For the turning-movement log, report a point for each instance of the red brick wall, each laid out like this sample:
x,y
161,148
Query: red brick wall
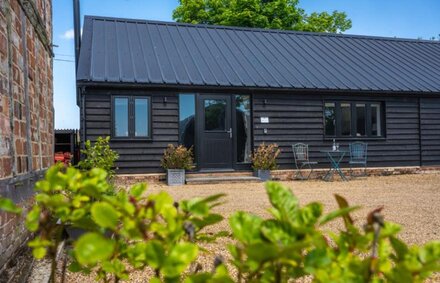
x,y
26,107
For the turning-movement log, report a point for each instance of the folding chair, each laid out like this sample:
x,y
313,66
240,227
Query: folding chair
x,y
358,156
301,155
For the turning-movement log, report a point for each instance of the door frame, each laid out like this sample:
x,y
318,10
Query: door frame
x,y
235,165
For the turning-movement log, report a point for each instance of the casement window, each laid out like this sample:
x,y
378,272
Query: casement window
x,y
131,117
352,119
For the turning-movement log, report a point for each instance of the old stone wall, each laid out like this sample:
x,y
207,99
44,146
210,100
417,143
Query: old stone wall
x,y
26,108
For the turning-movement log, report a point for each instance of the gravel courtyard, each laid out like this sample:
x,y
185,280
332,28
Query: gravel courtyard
x,y
410,200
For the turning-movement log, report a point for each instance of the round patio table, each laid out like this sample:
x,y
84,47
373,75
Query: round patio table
x,y
335,157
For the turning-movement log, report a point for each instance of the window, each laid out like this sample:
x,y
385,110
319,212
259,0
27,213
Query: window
x,y
361,122
215,114
330,119
121,117
345,119
376,129
243,126
187,114
131,117
353,119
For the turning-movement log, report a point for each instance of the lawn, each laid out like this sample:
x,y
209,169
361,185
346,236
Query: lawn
x,y
410,200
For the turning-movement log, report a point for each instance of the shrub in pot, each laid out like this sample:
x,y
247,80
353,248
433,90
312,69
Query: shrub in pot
x,y
264,159
177,159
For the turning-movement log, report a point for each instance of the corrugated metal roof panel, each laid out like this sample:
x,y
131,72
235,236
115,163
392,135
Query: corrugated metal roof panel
x,y
150,52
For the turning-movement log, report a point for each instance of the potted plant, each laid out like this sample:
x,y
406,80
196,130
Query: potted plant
x,y
264,160
177,159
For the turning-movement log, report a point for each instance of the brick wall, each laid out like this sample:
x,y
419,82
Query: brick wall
x,y
26,108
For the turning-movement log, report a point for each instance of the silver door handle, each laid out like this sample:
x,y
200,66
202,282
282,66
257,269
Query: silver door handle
x,y
230,133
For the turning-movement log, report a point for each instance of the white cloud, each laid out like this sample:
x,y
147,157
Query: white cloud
x,y
68,34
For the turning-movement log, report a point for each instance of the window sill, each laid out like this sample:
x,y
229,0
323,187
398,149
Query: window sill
x,y
355,139
132,139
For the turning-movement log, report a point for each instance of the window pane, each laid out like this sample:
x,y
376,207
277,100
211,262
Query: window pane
x,y
141,116
376,123
330,119
187,113
215,114
345,119
121,117
243,124
360,120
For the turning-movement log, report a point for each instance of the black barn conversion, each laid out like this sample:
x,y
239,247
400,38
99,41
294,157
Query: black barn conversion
x,y
225,90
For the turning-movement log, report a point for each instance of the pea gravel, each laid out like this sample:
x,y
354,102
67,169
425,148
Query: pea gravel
x,y
410,200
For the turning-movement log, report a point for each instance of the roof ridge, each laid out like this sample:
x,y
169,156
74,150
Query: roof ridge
x,y
305,33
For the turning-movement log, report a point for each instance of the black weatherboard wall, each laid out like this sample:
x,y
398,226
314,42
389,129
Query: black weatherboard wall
x,y
290,75
135,156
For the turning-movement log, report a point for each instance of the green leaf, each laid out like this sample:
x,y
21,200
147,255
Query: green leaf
x,y
399,247
39,253
283,200
39,247
154,253
179,258
246,227
261,252
138,189
33,218
336,214
105,215
9,206
92,248
342,202
211,219
276,233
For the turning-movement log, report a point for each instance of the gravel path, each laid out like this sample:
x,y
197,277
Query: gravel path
x,y
410,200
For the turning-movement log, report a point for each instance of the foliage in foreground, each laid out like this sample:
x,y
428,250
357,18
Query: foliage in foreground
x,y
99,155
132,231
272,14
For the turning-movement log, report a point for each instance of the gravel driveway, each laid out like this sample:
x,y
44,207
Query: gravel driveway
x,y
410,200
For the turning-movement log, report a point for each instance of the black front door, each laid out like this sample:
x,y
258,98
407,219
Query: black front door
x,y
215,131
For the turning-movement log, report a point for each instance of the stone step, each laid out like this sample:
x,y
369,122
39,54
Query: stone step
x,y
220,179
220,174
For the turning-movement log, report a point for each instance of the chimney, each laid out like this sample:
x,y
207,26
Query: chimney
x,y
77,31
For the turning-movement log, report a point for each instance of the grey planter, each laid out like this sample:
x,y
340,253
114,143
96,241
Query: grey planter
x,y
264,175
176,177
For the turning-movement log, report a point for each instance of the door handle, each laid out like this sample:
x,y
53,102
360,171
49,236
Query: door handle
x,y
230,133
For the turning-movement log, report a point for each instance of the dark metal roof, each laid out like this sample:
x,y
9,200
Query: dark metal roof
x,y
166,53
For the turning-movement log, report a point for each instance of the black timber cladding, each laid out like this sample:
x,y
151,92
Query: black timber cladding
x,y
135,156
163,53
299,119
430,131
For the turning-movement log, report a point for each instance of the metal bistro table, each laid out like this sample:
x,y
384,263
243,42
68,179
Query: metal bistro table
x,y
335,157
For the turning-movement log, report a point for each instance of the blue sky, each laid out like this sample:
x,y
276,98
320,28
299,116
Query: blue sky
x,y
394,18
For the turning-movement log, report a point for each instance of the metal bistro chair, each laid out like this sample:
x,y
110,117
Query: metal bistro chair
x,y
358,156
301,154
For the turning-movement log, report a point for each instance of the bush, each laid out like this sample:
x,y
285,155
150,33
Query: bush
x,y
177,158
99,155
132,231
123,232
264,157
292,245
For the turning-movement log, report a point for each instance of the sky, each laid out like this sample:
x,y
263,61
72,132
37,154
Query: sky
x,y
392,18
